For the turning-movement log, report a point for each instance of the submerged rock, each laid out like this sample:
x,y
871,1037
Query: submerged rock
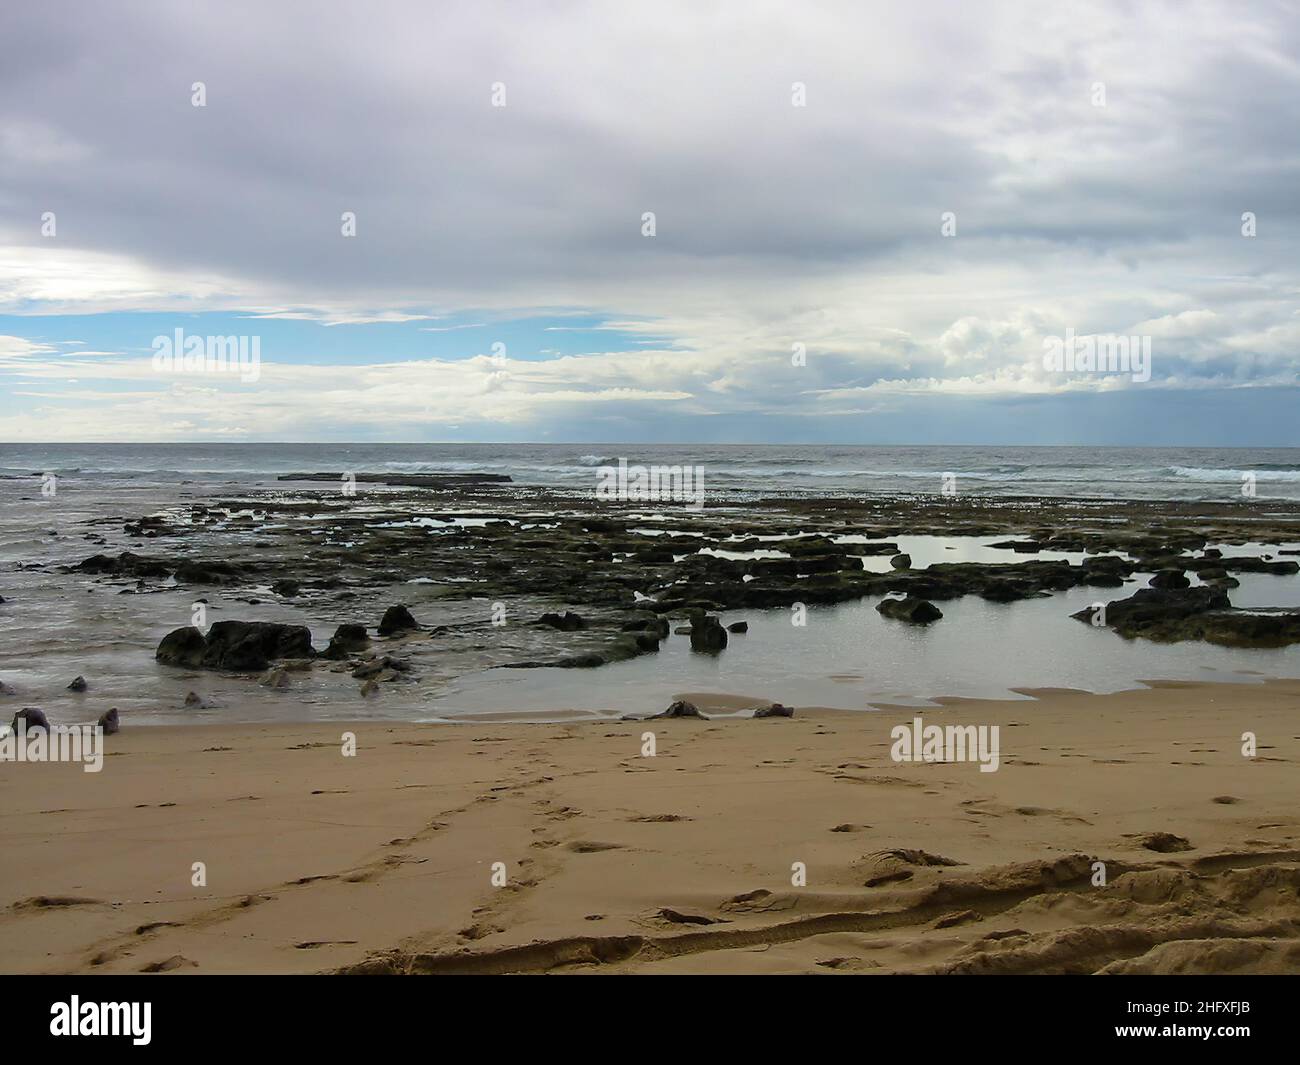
x,y
78,685
738,627
1171,578
912,609
707,634
566,622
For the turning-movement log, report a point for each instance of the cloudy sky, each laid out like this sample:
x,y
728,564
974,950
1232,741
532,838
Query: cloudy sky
x,y
799,160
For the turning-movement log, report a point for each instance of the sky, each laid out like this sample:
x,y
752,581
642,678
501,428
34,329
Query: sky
x,y
745,222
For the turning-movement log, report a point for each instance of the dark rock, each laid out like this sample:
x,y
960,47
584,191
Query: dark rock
x,y
244,646
33,716
566,622
775,710
901,561
707,634
1156,612
109,721
347,639
182,647
1170,578
78,684
125,565
396,619
193,699
198,571
380,664
286,587
917,611
738,626
681,708
648,622
999,591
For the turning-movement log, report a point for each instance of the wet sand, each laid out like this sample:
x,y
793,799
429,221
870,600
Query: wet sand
x,y
681,862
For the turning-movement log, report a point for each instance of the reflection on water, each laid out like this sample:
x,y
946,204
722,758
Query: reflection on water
x,y
848,656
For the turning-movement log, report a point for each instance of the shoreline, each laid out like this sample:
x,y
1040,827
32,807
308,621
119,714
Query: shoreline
x,y
316,862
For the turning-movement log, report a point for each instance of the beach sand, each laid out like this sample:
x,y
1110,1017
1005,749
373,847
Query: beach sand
x,y
681,862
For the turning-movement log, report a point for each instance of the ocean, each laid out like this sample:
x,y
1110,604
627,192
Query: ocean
x,y
733,470
58,623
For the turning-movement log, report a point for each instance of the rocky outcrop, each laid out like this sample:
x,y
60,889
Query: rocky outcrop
x,y
240,646
1203,613
127,564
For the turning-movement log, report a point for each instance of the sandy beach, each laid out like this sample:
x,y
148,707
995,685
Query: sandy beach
x,y
686,861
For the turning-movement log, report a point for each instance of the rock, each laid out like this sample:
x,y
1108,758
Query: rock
x,y
901,561
243,646
199,571
1156,611
647,622
738,627
681,708
286,587
1202,613
566,622
376,666
275,678
193,699
109,721
6,689
396,619
630,644
182,647
346,640
1000,591
917,611
775,710
78,684
369,688
707,634
126,564
33,717
1170,578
